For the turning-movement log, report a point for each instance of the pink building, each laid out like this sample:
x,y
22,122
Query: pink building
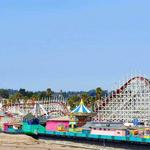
x,y
54,124
5,126
108,131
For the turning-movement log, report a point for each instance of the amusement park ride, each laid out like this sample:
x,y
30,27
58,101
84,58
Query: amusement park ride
x,y
130,101
124,115
53,106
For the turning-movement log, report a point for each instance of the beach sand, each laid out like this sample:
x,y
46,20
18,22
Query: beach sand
x,y
24,142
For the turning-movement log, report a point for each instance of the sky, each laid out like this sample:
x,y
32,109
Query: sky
x,y
73,44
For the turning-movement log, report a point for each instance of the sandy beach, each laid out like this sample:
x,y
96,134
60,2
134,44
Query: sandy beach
x,y
24,142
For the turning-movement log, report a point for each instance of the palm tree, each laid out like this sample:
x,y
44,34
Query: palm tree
x,y
49,92
99,93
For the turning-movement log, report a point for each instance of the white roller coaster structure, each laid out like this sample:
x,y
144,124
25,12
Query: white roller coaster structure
x,y
131,101
54,107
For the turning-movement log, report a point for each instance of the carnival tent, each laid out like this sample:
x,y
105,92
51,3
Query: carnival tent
x,y
81,108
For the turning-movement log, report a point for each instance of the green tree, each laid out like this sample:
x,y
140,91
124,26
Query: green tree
x,y
49,92
84,96
4,93
74,101
99,93
23,92
35,97
42,94
29,94
16,97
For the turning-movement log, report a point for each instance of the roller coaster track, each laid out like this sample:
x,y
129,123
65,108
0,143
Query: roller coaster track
x,y
51,106
122,88
135,91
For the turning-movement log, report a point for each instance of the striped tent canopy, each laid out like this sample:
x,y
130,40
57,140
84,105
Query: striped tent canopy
x,y
81,108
